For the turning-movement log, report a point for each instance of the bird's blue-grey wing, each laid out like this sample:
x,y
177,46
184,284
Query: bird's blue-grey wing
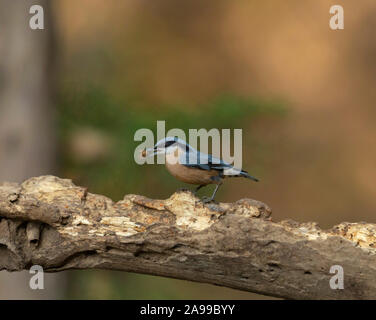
x,y
207,162
203,161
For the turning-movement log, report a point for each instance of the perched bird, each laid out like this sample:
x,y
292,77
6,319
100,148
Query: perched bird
x,y
191,166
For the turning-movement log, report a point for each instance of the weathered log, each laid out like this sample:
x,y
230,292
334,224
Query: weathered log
x,y
50,222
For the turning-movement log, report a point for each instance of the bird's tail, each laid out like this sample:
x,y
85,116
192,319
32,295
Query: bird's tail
x,y
246,175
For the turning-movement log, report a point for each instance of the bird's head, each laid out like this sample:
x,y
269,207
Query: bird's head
x,y
166,146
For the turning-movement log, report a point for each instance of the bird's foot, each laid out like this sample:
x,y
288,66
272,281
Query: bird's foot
x,y
207,200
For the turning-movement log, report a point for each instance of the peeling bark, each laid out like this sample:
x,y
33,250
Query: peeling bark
x,y
53,223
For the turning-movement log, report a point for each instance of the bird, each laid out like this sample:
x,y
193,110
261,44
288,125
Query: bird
x,y
194,167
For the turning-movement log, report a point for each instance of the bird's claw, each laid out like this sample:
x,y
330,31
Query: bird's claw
x,y
207,200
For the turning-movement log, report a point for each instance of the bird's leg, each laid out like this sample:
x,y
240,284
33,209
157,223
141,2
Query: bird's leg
x,y
206,200
218,181
198,188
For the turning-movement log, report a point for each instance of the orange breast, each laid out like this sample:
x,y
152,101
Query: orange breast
x,y
191,175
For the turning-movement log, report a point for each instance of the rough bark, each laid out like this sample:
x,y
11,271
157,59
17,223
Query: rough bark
x,y
53,223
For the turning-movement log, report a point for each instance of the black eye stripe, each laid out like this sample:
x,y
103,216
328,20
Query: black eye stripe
x,y
169,143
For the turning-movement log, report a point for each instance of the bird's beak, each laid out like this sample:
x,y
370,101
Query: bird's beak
x,y
149,152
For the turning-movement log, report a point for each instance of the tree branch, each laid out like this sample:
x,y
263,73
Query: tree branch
x,y
53,223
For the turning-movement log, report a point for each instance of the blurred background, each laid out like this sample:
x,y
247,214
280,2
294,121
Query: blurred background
x,y
73,95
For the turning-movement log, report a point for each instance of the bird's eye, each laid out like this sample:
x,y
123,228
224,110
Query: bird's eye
x,y
169,143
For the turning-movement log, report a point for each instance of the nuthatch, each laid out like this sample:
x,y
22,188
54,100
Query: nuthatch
x,y
191,166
